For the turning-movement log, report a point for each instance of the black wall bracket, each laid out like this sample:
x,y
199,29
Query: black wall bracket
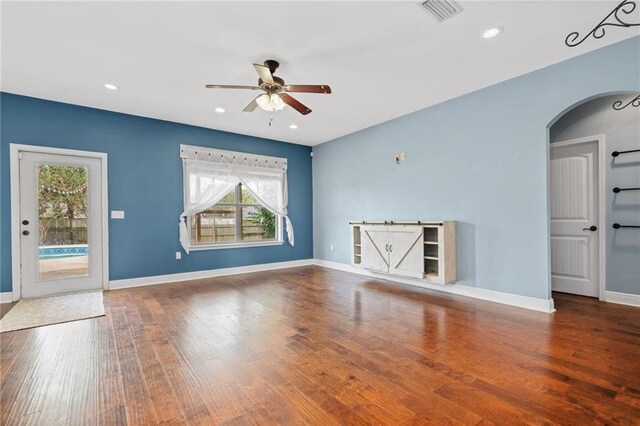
x,y
620,105
617,153
616,18
618,226
617,190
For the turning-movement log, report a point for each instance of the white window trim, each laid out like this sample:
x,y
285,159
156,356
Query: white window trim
x,y
278,241
220,246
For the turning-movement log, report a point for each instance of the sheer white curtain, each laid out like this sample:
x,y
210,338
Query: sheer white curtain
x,y
206,183
269,187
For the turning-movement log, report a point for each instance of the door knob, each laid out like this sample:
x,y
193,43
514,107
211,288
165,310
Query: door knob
x,y
592,228
25,222
25,232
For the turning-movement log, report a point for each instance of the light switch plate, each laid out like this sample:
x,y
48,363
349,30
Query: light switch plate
x,y
117,214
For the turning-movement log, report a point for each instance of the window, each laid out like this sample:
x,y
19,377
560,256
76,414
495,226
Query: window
x,y
237,219
232,199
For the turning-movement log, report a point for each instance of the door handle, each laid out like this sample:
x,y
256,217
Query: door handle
x,y
386,247
390,248
592,228
25,232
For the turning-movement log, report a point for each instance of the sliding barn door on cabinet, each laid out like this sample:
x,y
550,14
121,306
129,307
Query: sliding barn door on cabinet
x,y
375,242
423,250
406,250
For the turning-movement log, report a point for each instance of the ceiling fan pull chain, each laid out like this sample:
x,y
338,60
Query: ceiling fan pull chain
x,y
270,121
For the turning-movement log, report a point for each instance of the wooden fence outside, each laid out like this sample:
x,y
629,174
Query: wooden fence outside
x,y
58,231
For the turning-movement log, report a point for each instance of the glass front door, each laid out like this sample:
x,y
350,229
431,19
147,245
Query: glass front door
x,y
61,224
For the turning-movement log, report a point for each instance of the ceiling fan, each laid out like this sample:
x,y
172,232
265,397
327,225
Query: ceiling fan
x,y
276,92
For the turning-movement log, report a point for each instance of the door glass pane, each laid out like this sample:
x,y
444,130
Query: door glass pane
x,y
63,250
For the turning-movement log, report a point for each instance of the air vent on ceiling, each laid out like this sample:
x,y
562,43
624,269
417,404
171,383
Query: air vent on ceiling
x,y
442,9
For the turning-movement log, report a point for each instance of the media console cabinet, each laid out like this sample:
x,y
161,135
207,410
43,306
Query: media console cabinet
x,y
424,250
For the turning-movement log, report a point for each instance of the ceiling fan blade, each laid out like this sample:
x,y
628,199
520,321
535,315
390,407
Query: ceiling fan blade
x,y
227,86
264,73
293,103
252,105
308,88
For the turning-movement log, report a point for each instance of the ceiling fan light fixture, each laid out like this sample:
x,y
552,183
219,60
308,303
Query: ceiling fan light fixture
x,y
276,94
270,102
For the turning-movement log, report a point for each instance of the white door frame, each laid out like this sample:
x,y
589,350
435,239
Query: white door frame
x,y
14,164
600,141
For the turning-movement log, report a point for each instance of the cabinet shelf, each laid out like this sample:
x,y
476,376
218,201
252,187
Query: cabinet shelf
x,y
357,245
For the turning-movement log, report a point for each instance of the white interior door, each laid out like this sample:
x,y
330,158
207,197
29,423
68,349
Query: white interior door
x,y
574,219
406,250
60,224
375,243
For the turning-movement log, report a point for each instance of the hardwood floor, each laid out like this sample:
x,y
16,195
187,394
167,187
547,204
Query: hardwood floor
x,y
317,346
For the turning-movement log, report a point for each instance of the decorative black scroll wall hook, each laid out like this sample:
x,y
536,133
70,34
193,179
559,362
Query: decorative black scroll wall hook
x,y
614,19
617,105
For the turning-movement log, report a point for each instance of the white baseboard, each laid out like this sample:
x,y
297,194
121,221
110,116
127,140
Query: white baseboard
x,y
622,298
6,297
197,275
526,302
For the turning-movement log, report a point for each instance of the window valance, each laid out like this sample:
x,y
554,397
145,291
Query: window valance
x,y
189,152
210,174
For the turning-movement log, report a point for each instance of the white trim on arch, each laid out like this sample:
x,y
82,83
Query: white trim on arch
x,y
14,157
601,141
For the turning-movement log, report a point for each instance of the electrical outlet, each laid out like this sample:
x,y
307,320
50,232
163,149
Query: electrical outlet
x,y
178,255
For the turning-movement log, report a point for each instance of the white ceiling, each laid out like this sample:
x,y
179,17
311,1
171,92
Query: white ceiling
x,y
382,59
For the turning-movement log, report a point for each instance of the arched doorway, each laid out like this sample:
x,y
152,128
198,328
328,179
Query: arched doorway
x,y
587,256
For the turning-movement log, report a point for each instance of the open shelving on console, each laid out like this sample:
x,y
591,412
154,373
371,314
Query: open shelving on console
x,y
357,246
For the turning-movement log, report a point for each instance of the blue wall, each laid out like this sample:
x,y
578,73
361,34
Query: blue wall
x,y
622,132
480,159
145,180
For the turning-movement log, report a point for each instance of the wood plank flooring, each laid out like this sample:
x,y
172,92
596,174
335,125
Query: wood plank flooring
x,y
316,346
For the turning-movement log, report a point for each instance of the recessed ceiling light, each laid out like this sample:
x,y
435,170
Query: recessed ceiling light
x,y
293,126
219,110
492,32
110,86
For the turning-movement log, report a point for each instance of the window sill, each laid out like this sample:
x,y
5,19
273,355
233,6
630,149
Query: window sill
x,y
235,245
